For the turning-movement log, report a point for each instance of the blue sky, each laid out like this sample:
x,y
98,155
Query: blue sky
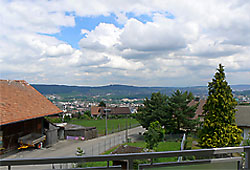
x,y
72,35
143,43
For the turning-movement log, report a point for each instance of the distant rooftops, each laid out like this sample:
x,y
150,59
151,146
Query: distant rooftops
x,y
96,110
199,110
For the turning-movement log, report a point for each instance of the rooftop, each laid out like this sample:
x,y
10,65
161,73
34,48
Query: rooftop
x,y
20,101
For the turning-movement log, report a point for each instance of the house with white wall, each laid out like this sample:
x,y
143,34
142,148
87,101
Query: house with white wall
x,y
243,119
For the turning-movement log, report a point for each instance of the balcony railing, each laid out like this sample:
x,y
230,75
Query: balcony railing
x,y
129,158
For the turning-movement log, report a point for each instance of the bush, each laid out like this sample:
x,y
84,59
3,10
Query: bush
x,y
85,116
54,119
66,118
246,142
154,135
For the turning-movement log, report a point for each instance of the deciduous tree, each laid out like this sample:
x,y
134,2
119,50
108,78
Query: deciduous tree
x,y
154,135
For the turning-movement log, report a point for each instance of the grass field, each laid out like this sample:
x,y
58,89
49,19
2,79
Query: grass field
x,y
113,124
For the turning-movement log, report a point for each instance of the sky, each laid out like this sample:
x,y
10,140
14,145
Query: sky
x,y
142,43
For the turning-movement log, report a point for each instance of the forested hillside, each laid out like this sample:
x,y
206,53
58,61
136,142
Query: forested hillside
x,y
124,91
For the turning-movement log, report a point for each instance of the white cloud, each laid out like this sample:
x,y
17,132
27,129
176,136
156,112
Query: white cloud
x,y
59,50
104,36
152,36
181,44
33,16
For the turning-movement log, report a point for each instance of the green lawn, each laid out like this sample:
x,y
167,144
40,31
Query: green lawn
x,y
113,124
163,146
217,166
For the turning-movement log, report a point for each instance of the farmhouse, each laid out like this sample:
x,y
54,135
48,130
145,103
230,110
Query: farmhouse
x,y
242,119
22,112
241,116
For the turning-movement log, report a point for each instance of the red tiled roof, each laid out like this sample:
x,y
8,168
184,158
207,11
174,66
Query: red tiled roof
x,y
120,110
96,110
199,110
20,101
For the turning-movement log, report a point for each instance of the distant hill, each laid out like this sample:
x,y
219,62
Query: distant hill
x,y
240,87
122,91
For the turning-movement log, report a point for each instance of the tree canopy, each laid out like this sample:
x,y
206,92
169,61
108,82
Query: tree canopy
x,y
154,110
219,128
182,114
172,112
102,104
154,135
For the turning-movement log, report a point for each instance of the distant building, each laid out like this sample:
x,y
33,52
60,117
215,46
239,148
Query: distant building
x,y
99,111
242,116
125,149
71,131
22,111
199,110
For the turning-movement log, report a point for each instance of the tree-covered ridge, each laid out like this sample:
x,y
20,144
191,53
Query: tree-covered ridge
x,y
123,91
219,128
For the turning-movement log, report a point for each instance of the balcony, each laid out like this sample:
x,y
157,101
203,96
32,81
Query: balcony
x,y
217,157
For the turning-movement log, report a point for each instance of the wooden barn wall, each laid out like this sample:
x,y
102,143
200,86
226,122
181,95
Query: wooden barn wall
x,y
79,132
86,133
51,137
12,132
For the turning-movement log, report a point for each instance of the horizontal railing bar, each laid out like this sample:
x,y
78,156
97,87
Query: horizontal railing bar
x,y
92,168
131,156
195,162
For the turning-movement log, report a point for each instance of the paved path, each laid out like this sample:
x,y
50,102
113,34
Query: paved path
x,y
68,147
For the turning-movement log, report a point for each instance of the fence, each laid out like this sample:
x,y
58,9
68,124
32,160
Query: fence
x,y
117,129
105,143
148,155
173,137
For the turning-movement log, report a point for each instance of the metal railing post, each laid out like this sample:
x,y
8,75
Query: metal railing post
x,y
247,159
107,164
130,164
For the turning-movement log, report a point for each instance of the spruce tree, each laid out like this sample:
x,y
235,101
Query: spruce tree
x,y
182,114
219,128
154,110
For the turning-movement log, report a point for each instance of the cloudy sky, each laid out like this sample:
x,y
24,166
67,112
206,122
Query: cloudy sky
x,y
143,42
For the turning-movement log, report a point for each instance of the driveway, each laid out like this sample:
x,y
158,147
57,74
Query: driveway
x,y
68,147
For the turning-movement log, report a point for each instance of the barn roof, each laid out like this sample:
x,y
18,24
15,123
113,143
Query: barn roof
x,y
20,101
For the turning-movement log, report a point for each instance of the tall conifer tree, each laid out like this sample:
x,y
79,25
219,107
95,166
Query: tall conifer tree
x,y
182,114
219,128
